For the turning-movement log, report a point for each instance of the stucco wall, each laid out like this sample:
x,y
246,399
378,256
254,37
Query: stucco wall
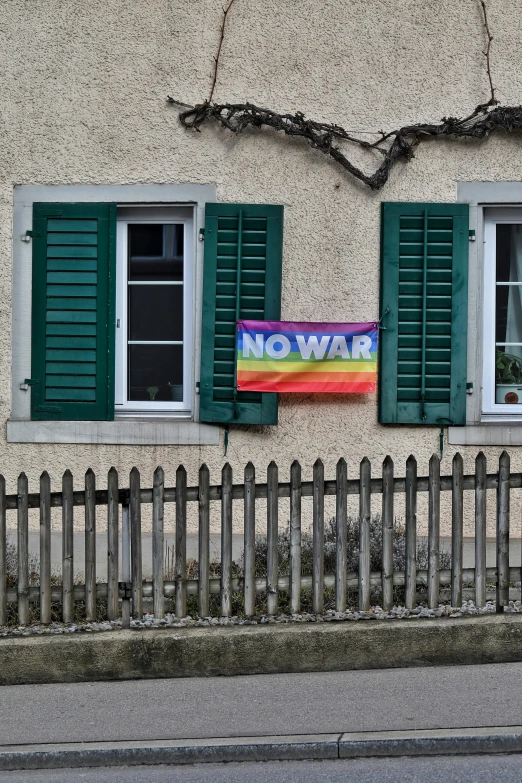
x,y
83,100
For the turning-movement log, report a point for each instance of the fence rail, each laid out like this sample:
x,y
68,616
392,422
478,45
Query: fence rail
x,y
125,595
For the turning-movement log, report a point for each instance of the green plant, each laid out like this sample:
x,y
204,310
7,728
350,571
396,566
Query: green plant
x,y
508,368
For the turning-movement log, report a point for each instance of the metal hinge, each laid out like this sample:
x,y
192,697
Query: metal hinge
x,y
472,235
29,235
469,388
201,234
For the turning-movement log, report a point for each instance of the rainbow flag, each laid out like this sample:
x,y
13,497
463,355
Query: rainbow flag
x,y
284,356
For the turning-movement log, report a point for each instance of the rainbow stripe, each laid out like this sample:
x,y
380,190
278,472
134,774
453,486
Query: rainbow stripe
x,y
308,357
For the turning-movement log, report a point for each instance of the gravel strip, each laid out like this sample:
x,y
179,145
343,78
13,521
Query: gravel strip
x,y
170,621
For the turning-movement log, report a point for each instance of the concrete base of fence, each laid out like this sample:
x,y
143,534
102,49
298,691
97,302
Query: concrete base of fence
x,y
200,652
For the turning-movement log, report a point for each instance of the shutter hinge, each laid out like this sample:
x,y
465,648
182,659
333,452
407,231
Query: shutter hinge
x,y
30,382
29,235
472,235
198,387
469,388
201,234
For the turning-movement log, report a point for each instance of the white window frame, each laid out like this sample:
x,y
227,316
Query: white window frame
x,y
136,428
170,216
493,217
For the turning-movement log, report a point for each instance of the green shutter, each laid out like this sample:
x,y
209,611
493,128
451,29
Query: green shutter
x,y
73,308
424,295
241,279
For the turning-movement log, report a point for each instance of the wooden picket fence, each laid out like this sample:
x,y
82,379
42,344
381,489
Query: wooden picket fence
x,y
124,591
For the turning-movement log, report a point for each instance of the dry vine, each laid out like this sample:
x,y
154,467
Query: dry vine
x,y
392,146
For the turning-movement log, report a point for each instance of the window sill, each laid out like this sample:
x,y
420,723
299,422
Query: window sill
x,y
121,432
506,433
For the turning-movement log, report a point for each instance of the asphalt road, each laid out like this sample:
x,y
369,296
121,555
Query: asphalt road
x,y
437,769
323,702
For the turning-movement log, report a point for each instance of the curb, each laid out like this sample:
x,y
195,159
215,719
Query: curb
x,y
312,747
228,651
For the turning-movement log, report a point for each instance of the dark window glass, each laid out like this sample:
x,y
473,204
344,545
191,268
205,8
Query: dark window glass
x,y
156,373
145,239
155,251
156,312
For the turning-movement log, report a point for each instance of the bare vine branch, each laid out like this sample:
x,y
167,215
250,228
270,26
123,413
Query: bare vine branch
x,y
390,147
492,100
237,117
218,55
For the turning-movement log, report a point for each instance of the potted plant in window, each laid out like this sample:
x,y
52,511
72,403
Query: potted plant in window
x,y
508,378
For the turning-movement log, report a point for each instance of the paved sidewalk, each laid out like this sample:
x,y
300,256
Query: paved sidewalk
x,y
279,704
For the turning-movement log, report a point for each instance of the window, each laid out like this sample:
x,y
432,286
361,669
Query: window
x,y
154,309
118,319
502,384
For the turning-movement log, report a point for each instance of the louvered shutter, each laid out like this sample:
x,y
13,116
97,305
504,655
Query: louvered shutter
x,y
242,279
73,311
424,291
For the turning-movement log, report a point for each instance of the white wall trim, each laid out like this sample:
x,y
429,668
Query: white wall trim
x,y
24,197
121,432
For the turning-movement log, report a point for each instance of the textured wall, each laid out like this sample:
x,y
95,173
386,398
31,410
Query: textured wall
x,y
82,99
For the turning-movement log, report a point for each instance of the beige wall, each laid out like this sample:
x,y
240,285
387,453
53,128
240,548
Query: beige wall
x,y
83,100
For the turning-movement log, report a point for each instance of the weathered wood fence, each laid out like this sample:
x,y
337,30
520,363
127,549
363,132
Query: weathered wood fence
x,y
125,595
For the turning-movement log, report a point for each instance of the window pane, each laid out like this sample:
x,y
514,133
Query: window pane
x,y
145,239
508,312
155,312
508,375
155,251
156,373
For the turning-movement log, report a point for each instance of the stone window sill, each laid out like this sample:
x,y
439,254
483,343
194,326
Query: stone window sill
x,y
491,434
121,432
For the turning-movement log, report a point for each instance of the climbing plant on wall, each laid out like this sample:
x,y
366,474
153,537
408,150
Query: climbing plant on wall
x,y
390,147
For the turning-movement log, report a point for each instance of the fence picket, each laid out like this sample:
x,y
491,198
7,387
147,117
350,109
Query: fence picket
x,y
318,539
341,522
249,586
272,555
126,568
503,532
113,499
387,534
23,550
45,548
158,549
3,554
67,548
295,537
411,532
457,530
135,537
434,533
226,541
90,546
181,542
364,535
480,529
204,543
